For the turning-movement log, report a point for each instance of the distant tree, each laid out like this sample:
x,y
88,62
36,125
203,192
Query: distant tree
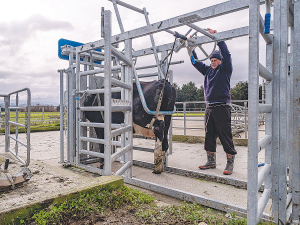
x,y
178,92
240,91
200,94
189,92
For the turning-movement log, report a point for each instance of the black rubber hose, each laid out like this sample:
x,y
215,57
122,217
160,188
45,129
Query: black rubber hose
x,y
6,164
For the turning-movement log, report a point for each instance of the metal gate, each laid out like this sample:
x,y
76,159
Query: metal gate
x,y
17,123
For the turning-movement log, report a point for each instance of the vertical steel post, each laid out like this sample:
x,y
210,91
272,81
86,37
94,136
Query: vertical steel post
x,y
7,125
268,123
61,111
77,112
107,93
128,115
43,115
71,114
184,118
171,123
17,120
296,111
252,194
245,119
123,141
275,111
282,183
28,125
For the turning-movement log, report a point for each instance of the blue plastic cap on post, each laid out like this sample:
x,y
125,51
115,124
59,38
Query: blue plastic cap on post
x,y
193,59
267,23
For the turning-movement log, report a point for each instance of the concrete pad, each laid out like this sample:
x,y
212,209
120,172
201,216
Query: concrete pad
x,y
51,178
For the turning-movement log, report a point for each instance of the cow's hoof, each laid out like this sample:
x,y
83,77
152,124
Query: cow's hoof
x,y
156,172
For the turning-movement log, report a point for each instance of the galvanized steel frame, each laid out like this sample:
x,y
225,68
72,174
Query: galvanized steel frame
x,y
274,173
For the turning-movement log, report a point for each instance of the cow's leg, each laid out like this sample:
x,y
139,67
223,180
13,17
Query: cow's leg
x,y
165,143
159,154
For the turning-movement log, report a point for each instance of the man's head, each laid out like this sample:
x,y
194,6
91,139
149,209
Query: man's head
x,y
215,59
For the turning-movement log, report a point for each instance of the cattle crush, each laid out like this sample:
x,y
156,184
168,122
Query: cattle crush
x,y
94,68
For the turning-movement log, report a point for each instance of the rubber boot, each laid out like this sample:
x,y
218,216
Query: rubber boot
x,y
211,161
159,158
229,166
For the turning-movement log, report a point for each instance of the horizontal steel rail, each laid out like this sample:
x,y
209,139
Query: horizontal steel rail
x,y
262,203
99,91
153,66
264,73
92,72
121,130
17,140
125,167
121,152
186,196
120,84
17,124
264,141
99,125
115,108
120,56
91,169
99,141
155,74
203,14
17,107
15,155
265,108
265,171
97,154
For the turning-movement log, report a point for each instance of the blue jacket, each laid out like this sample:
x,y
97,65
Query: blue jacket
x,y
217,81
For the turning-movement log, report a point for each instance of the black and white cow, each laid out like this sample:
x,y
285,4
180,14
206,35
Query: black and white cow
x,y
141,119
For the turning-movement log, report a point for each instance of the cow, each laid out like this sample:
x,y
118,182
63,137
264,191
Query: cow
x,y
141,119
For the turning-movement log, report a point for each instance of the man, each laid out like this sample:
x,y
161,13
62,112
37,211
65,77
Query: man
x,y
217,113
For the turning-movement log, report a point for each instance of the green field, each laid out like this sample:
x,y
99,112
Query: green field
x,y
49,121
38,121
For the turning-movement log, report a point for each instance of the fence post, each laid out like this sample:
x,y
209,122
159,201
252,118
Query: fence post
x,y
0,117
245,117
184,118
61,109
7,126
43,110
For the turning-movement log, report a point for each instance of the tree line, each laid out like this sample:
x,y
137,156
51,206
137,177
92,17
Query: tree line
x,y
190,92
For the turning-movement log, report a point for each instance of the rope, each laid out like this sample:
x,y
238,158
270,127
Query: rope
x,y
163,88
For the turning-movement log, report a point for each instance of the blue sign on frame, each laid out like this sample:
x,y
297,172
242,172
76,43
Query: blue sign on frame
x,y
63,42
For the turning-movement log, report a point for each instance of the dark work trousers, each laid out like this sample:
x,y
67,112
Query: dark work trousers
x,y
218,124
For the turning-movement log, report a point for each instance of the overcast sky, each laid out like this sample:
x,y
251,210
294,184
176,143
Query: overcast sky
x,y
30,30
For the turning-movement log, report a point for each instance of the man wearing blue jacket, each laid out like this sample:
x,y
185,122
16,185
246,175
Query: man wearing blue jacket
x,y
217,113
